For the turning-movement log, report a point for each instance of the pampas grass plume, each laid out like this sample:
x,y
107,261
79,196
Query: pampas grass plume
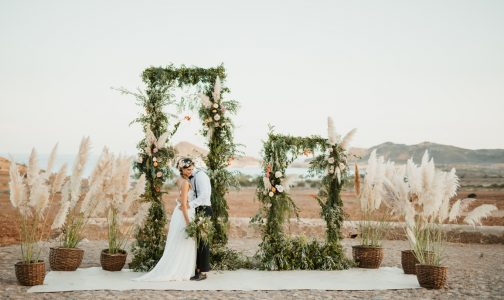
x,y
482,211
345,143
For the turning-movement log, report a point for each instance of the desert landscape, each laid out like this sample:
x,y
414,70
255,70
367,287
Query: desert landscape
x,y
480,175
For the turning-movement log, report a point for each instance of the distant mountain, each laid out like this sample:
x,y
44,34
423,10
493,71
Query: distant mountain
x,y
190,150
442,154
399,153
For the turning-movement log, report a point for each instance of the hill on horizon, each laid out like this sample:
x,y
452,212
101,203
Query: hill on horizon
x,y
399,153
442,154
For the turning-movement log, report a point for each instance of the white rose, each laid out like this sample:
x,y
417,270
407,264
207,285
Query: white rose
x,y
342,166
159,174
279,188
278,174
155,150
216,117
271,194
216,105
139,160
330,160
154,159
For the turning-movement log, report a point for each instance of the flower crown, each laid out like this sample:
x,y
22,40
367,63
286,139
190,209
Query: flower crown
x,y
185,163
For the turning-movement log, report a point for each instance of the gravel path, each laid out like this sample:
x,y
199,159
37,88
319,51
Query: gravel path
x,y
476,271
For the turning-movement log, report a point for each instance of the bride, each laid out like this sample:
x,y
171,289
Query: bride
x,y
179,257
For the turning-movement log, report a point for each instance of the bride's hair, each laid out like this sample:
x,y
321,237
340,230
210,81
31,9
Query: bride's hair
x,y
184,163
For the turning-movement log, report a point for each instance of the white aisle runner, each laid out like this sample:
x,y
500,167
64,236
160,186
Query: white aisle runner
x,y
242,280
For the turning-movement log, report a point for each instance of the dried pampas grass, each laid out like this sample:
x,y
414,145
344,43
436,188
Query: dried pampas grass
x,y
217,89
150,138
205,101
331,132
17,188
356,180
161,142
133,195
33,169
52,160
141,215
345,143
78,169
482,211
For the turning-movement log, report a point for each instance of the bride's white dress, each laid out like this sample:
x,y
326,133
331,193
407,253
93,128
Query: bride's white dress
x,y
179,257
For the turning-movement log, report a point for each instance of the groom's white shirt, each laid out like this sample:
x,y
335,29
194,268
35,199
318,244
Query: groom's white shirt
x,y
202,187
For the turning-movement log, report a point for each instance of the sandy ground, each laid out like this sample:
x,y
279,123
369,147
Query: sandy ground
x,y
242,203
475,272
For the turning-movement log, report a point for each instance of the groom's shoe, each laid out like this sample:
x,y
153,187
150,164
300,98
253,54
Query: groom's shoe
x,y
196,276
201,277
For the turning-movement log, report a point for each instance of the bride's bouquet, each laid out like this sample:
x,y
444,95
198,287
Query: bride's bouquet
x,y
201,229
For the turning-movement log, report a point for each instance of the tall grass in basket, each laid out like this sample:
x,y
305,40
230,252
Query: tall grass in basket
x,y
422,194
118,199
374,219
76,210
32,194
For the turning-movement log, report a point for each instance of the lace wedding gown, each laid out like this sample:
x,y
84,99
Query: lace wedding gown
x,y
179,257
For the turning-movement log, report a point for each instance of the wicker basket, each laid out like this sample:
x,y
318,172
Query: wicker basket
x,y
30,274
367,257
409,260
431,277
113,262
65,259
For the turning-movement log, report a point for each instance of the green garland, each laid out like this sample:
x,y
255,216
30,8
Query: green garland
x,y
277,250
160,83
153,161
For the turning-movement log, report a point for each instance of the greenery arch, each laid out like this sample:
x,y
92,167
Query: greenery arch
x,y
155,157
277,250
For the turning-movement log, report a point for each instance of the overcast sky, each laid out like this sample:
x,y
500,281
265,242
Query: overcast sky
x,y
400,71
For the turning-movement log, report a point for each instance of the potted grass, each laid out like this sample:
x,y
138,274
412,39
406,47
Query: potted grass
x,y
373,226
75,211
116,202
430,238
31,194
422,195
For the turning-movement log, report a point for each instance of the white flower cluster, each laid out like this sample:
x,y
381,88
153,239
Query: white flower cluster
x,y
333,166
216,108
271,189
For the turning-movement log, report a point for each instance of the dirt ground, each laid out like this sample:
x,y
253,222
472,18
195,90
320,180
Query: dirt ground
x,y
242,203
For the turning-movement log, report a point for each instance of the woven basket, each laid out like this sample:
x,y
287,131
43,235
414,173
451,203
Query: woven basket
x,y
113,262
431,277
367,257
30,274
65,259
409,260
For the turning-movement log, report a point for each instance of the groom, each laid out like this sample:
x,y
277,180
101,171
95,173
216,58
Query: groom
x,y
201,202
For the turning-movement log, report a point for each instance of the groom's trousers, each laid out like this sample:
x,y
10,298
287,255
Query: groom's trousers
x,y
203,254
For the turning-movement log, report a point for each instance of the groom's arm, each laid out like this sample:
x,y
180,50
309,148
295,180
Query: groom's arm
x,y
203,189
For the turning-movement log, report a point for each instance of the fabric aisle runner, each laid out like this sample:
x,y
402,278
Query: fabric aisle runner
x,y
240,280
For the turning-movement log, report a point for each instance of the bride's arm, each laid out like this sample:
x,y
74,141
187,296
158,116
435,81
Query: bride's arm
x,y
184,201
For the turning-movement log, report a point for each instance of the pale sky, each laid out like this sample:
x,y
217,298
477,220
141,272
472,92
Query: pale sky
x,y
400,71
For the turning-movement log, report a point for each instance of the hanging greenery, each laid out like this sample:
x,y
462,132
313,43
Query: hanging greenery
x,y
277,250
217,127
154,162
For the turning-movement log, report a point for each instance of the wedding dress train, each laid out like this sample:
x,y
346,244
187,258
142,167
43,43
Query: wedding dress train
x,y
179,257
